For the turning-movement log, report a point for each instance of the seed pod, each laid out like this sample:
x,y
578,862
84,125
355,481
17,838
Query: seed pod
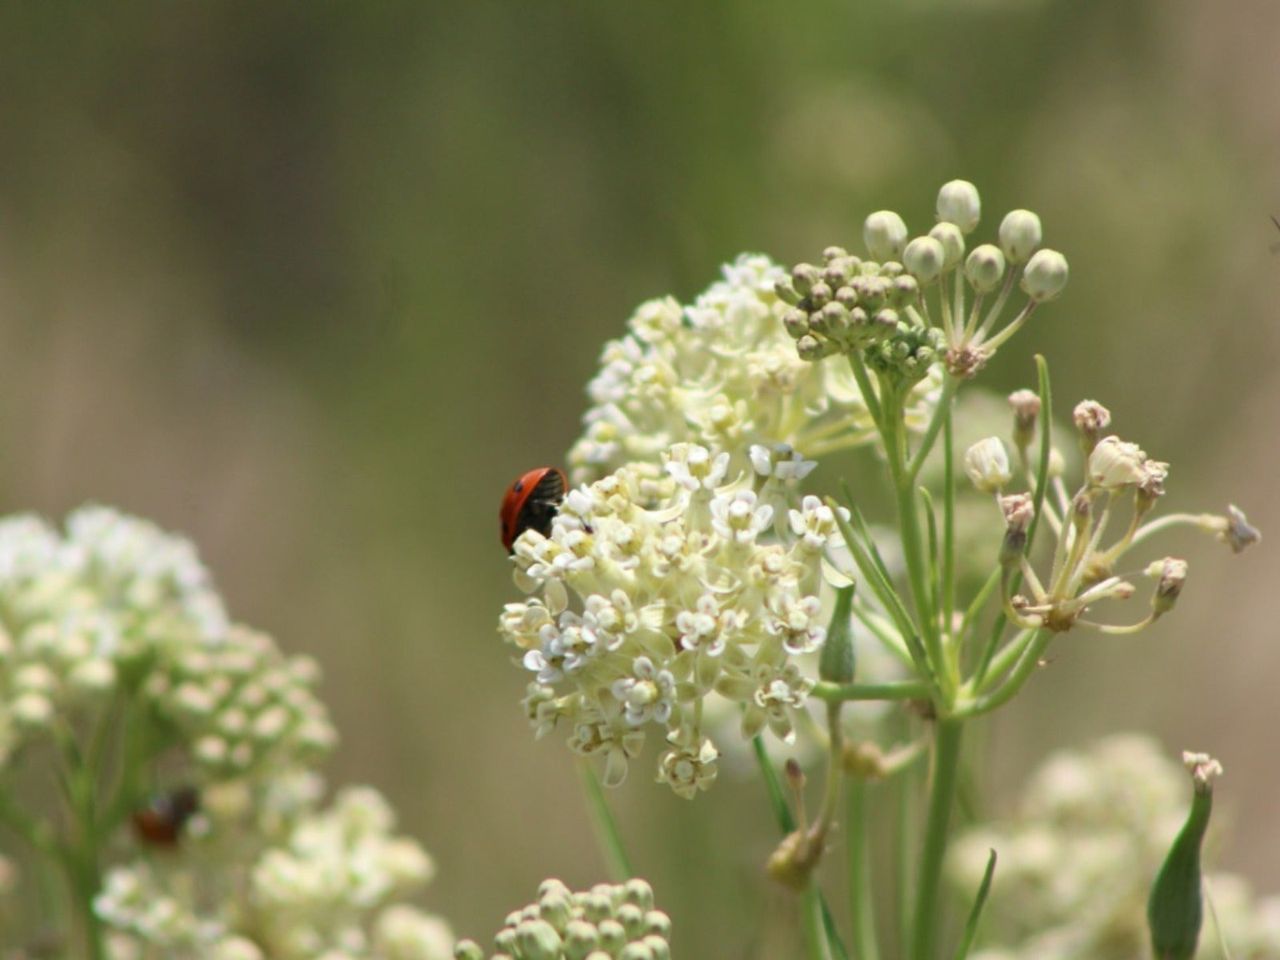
x,y
836,662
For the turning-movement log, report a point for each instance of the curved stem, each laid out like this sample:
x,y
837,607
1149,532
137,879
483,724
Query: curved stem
x,y
861,907
890,690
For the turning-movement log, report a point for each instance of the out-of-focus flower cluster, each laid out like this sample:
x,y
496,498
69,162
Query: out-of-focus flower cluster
x,y
722,373
649,606
607,922
1076,862
115,605
119,664
271,875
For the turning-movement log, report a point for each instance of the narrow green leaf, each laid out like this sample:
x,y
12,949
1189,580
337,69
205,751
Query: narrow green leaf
x,y
975,912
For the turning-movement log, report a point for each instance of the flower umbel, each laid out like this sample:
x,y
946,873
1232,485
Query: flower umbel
x,y
647,608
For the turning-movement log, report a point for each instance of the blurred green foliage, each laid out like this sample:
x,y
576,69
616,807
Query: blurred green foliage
x,y
313,282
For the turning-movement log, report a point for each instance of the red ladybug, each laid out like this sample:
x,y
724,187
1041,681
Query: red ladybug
x,y
159,823
531,502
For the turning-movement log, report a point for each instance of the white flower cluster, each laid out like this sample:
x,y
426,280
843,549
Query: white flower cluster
x,y
115,604
723,373
286,880
607,922
1077,861
648,608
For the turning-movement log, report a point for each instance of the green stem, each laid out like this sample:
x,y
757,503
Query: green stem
x,y
936,422
1025,666
81,854
890,690
815,937
869,396
928,914
949,519
861,907
606,827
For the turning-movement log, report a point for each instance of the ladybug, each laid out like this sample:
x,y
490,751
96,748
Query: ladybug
x,y
531,502
159,823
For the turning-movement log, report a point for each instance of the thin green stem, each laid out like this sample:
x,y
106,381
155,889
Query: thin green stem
x,y
936,423
815,937
946,763
869,396
890,690
606,828
975,913
861,906
1025,666
949,513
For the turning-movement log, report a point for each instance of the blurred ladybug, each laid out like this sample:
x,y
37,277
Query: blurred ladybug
x,y
531,502
160,822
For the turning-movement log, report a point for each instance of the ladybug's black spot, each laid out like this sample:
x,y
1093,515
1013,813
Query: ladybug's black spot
x,y
519,487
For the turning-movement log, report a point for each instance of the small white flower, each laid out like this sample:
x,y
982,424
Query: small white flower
x,y
738,517
815,524
699,628
1115,464
648,694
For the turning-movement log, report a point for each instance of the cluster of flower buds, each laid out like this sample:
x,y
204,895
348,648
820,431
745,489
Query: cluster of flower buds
x,y
880,306
607,922
1117,474
647,608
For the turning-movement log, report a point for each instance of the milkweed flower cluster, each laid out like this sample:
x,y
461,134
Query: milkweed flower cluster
x,y
723,373
607,922
647,608
275,876
1077,857
120,668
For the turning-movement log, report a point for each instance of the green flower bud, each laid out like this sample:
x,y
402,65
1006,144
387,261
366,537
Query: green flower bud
x,y
787,293
836,253
959,203
580,939
820,294
1020,235
467,950
632,919
555,909
952,240
658,946
796,323
639,892
504,941
906,291
658,923
537,940
984,269
636,951
924,258
597,907
836,662
885,235
1175,909
1045,276
612,936
803,277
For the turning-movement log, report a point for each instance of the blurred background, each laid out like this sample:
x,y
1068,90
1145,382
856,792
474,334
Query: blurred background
x,y
312,283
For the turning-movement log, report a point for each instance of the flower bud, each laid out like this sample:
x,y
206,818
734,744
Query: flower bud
x,y
658,946
952,240
959,203
467,950
924,257
658,923
639,892
1019,511
537,940
885,235
1173,575
636,951
1115,464
580,939
32,710
1020,235
1026,410
612,936
803,277
987,465
1238,533
1091,419
1175,909
1045,275
984,268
